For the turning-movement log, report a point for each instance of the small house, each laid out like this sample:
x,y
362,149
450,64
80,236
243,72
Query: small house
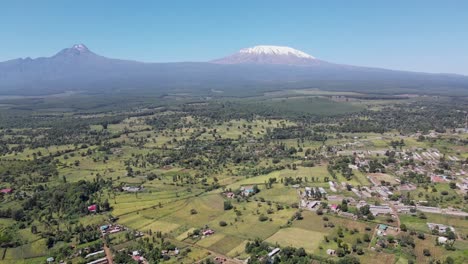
x,y
208,232
442,240
131,188
92,208
94,254
247,190
334,207
348,215
138,258
381,233
274,252
383,227
380,209
6,190
331,252
437,178
322,191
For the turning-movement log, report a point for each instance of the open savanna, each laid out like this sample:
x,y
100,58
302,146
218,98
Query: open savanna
x,y
311,105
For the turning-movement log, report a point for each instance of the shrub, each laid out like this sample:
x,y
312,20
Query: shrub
x,y
227,205
403,228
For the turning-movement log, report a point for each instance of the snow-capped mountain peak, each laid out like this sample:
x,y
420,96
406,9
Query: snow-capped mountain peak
x,y
76,50
265,54
80,47
276,50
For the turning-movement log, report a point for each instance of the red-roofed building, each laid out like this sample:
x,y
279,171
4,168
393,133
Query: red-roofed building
x,y
6,191
208,232
437,179
230,195
92,208
138,258
334,207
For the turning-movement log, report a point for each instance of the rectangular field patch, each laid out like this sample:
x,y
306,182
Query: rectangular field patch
x,y
296,237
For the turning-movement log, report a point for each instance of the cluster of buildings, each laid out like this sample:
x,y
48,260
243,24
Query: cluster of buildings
x,y
463,185
366,192
311,198
340,198
411,209
376,210
247,190
440,228
311,192
407,187
428,161
111,229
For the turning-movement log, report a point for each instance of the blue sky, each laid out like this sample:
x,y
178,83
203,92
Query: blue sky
x,y
430,36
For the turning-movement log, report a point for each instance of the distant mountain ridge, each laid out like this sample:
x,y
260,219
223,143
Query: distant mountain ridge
x,y
252,69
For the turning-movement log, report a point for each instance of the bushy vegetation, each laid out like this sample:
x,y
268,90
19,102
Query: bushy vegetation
x,y
194,176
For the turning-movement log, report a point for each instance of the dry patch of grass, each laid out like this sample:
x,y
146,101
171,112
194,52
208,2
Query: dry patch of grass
x,y
210,240
377,177
296,237
239,250
164,227
226,244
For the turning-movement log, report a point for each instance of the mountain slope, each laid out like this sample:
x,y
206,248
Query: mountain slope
x,y
253,70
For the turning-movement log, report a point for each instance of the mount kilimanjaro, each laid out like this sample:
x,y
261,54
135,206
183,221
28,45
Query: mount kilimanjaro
x,y
260,68
270,55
